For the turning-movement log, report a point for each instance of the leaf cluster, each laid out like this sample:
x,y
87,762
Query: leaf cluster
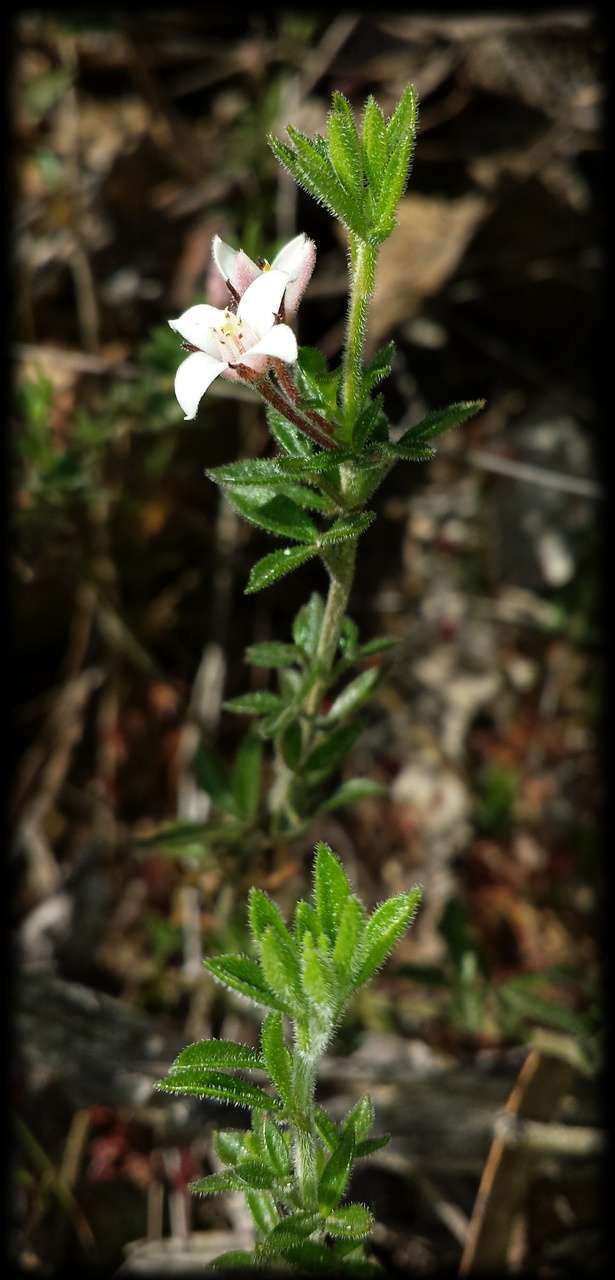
x,y
304,975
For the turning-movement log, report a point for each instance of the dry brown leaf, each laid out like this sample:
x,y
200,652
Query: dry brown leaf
x,y
428,242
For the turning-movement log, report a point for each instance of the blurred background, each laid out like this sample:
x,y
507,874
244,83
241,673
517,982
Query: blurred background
x,y
135,141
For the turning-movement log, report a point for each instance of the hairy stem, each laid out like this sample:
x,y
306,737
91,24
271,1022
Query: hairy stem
x,y
362,270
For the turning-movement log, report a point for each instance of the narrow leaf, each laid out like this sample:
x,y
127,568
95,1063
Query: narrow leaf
x,y
247,777
253,704
277,1057
349,937
315,974
354,695
272,654
241,974
255,1174
263,1209
336,1173
351,791
361,1116
214,1183
331,889
236,1260
280,966
368,1146
350,1222
229,1144
308,623
327,1128
344,147
435,424
277,514
386,926
328,754
217,1053
267,571
294,1226
214,1084
288,436
346,528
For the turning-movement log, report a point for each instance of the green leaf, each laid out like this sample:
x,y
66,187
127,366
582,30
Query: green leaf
x,y
267,571
241,974
402,124
346,528
214,1183
369,1145
336,1173
308,624
263,1209
331,889
344,147
236,1260
374,144
277,1057
318,385
306,1255
290,744
272,654
255,1174
386,926
328,754
229,1144
212,777
305,918
435,424
378,645
349,935
354,695
315,974
249,471
274,1146
294,1226
372,422
361,1116
277,514
253,704
215,1084
351,791
247,777
263,912
379,367
351,1222
280,966
327,1129
317,175
293,441
206,1054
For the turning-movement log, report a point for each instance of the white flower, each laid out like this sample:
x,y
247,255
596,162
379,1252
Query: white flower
x,y
296,260
222,340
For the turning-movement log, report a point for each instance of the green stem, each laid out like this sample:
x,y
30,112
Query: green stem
x,y
340,563
363,263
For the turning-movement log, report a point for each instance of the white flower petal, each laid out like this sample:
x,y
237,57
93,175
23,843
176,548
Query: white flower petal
x,y
196,324
193,378
224,257
261,301
292,256
280,342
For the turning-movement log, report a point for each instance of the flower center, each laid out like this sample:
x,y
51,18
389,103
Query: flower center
x,y
230,335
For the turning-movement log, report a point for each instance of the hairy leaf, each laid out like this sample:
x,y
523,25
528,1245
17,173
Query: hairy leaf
x,y
308,623
276,1056
253,704
331,889
386,926
215,1084
271,653
229,1144
354,695
263,1209
241,974
214,1183
328,754
267,571
350,1222
315,973
217,1053
435,424
277,514
349,936
336,1173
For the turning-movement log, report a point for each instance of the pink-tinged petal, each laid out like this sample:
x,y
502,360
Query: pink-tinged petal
x,y
196,325
292,256
245,272
280,342
224,257
261,301
193,378
298,284
216,288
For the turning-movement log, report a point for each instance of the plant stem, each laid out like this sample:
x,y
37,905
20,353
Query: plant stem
x,y
340,563
363,263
